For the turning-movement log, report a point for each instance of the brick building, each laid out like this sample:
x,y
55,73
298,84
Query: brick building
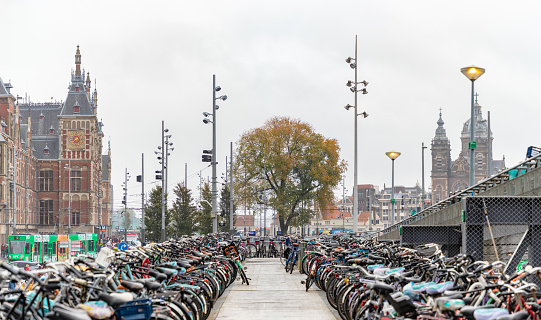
x,y
453,175
53,151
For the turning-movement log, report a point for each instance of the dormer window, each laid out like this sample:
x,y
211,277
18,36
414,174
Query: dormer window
x,y
75,109
46,150
41,117
51,131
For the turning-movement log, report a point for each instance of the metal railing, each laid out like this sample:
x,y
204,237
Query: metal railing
x,y
482,186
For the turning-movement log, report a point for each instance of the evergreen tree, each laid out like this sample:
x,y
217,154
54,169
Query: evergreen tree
x,y
153,216
203,219
224,209
183,212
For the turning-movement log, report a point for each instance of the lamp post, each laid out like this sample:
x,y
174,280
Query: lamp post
x,y
214,210
354,89
423,175
164,153
68,166
472,73
126,206
344,205
392,155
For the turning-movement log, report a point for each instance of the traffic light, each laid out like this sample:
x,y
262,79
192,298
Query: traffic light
x,y
207,156
159,175
11,186
124,201
139,178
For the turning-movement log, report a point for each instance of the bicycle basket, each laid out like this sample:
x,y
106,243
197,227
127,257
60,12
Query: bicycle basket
x,y
140,309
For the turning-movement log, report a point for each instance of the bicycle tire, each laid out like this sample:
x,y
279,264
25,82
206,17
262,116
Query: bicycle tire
x,y
251,250
243,275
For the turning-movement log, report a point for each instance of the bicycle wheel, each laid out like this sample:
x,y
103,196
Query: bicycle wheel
x,y
292,264
244,278
309,282
251,250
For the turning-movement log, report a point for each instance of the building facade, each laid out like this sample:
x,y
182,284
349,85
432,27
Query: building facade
x,y
53,152
450,176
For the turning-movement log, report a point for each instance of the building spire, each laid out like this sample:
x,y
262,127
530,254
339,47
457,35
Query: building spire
x,y
440,131
78,62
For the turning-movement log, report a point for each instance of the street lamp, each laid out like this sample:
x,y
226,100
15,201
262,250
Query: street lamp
x,y
214,210
353,87
392,155
68,166
163,158
472,73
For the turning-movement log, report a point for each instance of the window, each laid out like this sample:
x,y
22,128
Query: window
x,y
36,248
76,109
76,177
480,162
75,217
46,212
46,180
439,163
27,248
54,247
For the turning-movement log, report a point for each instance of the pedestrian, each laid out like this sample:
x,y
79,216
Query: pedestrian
x,y
27,268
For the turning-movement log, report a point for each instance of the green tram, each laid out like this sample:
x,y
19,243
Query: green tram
x,y
51,247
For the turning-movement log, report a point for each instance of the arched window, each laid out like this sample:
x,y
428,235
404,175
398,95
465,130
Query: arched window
x,y
479,161
439,163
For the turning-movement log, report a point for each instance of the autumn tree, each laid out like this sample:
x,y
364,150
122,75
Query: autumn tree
x,y
183,213
292,163
153,215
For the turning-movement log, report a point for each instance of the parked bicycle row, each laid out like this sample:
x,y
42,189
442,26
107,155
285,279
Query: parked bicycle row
x,y
179,279
370,280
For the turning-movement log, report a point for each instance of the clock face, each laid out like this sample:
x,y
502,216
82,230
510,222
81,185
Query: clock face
x,y
76,139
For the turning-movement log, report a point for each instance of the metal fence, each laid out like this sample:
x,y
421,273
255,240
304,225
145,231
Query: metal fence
x,y
491,228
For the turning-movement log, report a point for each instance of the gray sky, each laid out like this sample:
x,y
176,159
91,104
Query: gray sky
x,y
154,61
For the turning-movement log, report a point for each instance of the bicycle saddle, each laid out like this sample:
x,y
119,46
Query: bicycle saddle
x,y
132,286
381,287
158,275
468,311
152,285
489,313
115,300
169,273
522,315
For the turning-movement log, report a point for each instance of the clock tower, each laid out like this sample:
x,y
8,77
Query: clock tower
x,y
80,150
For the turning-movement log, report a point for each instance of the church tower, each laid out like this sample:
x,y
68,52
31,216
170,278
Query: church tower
x,y
481,137
441,163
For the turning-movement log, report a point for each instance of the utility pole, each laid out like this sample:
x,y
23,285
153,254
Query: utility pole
x,y
423,175
142,198
231,204
126,206
163,184
14,189
344,204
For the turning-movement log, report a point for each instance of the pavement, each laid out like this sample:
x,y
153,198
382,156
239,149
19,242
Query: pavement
x,y
272,294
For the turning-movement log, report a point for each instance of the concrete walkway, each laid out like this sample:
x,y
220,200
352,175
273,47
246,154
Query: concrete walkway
x,y
272,294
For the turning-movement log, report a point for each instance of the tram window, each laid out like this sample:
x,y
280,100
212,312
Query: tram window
x,y
27,248
36,248
54,247
91,245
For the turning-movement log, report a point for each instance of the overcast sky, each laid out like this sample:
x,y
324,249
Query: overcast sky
x,y
154,61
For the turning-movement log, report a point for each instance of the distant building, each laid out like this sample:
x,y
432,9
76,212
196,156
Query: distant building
x,y
48,148
450,176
